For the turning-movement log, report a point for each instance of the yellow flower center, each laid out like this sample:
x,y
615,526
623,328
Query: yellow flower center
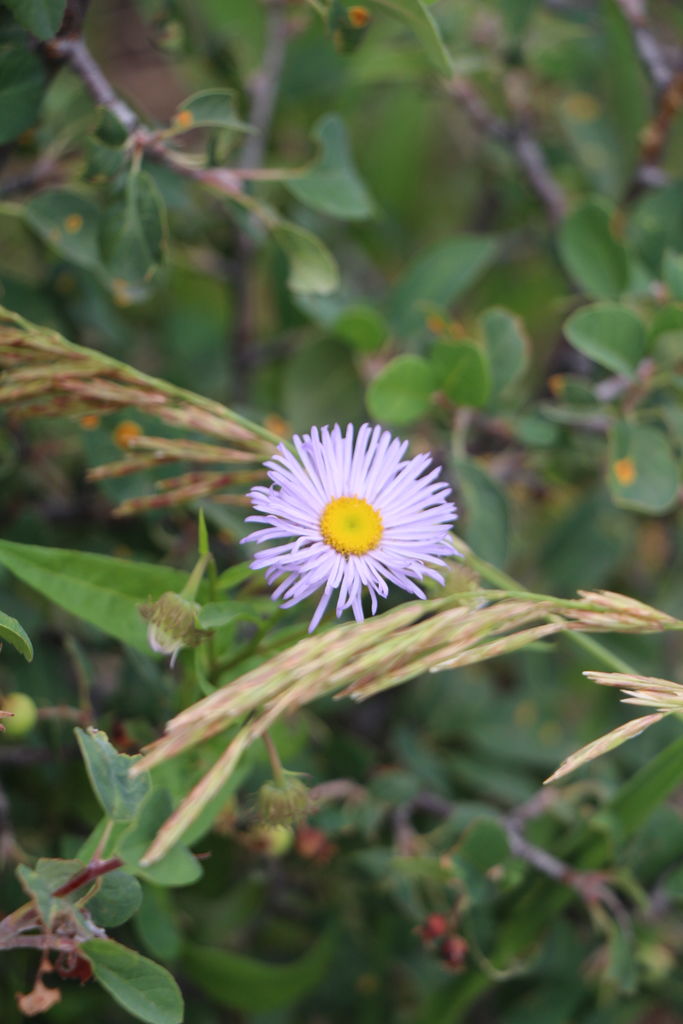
x,y
351,526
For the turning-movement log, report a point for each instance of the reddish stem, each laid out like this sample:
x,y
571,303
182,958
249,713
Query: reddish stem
x,y
93,870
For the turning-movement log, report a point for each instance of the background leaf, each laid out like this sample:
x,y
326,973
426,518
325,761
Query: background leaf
x,y
41,17
333,184
610,335
591,253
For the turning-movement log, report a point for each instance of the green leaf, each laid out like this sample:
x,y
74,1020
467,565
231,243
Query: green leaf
x,y
437,279
649,787
145,989
419,19
233,576
610,335
333,184
312,267
592,256
485,512
15,634
41,17
210,108
119,795
178,867
483,844
156,923
362,327
133,234
462,371
672,272
221,613
117,899
49,875
99,589
401,391
320,384
69,223
643,471
22,80
243,983
656,224
508,347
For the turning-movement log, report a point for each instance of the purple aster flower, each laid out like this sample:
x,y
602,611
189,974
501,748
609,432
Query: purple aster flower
x,y
350,513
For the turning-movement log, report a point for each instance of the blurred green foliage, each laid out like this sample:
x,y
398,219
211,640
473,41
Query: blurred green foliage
x,y
465,221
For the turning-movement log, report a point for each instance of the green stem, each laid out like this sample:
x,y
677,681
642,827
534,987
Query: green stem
x,y
501,579
189,591
274,758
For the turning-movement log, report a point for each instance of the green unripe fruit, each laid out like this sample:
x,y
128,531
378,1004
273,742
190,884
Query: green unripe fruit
x,y
24,711
271,840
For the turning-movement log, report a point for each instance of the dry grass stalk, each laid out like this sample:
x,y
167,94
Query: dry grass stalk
x,y
45,375
360,660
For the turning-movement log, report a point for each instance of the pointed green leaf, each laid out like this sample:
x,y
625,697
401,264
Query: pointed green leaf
x,y
15,634
133,233
99,589
145,989
120,796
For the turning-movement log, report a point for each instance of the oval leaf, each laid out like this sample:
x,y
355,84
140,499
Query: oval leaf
x,y
462,372
401,391
643,472
145,989
610,335
591,255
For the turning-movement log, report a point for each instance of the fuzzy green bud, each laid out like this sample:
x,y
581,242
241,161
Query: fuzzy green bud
x,y
172,624
283,802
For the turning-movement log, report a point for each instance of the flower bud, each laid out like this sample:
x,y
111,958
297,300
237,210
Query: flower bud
x,y
284,802
172,624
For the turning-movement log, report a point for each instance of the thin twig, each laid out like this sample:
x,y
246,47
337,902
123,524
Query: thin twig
x,y
589,885
75,51
263,90
519,138
650,51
